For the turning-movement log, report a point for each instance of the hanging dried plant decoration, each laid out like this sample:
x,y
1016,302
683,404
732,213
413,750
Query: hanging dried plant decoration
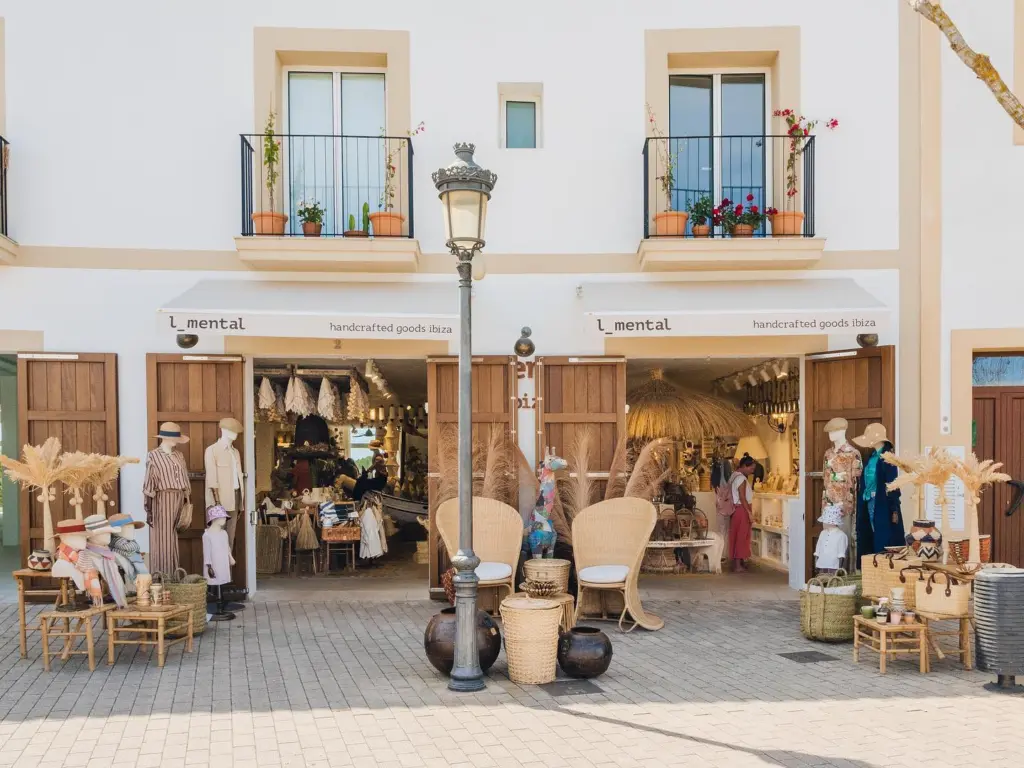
x,y
661,409
102,481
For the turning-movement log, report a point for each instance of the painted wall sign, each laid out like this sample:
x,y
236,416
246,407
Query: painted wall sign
x,y
309,326
525,370
741,323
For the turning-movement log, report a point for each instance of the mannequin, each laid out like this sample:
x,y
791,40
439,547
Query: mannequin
x,y
217,557
879,516
224,479
75,562
842,470
830,551
98,545
126,550
165,490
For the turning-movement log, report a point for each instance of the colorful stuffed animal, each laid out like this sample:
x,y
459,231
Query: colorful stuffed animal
x,y
542,532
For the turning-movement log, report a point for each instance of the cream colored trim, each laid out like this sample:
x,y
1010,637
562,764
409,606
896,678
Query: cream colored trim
x,y
329,254
666,254
716,346
261,346
3,77
21,341
1018,61
47,256
8,251
521,92
965,343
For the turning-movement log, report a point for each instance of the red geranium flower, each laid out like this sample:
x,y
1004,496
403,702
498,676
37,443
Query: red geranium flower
x,y
753,209
726,201
739,210
750,198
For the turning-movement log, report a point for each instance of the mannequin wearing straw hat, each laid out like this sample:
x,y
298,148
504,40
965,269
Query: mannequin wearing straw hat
x,y
224,478
165,491
879,516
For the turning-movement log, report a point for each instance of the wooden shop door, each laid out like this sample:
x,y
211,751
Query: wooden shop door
x,y
578,393
495,388
857,385
72,397
999,435
196,392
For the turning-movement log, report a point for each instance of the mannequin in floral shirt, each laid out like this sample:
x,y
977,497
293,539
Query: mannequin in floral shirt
x,y
843,467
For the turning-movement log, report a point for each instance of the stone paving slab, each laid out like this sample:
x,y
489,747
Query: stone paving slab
x,y
346,684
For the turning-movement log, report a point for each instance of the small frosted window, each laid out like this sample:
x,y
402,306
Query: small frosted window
x,y
520,125
998,371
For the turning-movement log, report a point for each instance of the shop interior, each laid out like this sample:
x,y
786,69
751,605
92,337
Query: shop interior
x,y
341,468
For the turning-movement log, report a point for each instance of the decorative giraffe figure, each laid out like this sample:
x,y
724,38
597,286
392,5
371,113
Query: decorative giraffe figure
x,y
542,533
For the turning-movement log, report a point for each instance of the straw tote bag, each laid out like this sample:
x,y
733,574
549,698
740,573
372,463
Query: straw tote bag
x,y
184,521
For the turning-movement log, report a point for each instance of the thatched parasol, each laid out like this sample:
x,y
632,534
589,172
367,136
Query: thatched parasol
x,y
661,409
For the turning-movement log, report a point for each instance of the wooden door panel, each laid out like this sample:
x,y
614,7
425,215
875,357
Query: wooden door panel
x,y
986,405
1008,536
72,397
196,392
857,385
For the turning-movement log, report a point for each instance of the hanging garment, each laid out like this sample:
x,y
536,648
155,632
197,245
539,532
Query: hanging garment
x,y
106,564
217,556
841,473
370,540
165,490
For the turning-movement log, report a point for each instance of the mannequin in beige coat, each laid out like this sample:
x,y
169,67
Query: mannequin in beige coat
x,y
225,484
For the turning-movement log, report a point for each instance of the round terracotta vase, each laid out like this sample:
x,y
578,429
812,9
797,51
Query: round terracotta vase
x,y
701,230
743,230
925,540
439,640
40,560
312,228
584,652
269,223
670,223
387,224
788,223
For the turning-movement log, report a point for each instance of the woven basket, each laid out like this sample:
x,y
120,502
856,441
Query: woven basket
x,y
268,549
938,593
881,573
341,533
531,639
548,569
186,590
540,589
959,550
827,617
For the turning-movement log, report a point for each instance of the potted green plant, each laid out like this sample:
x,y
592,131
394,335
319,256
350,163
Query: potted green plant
x,y
700,212
312,217
667,223
790,221
364,230
387,223
270,222
740,220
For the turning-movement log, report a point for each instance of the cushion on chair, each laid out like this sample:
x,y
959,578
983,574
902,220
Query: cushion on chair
x,y
604,574
493,571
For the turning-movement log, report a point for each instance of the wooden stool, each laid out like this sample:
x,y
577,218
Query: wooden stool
x,y
164,622
890,640
962,633
61,595
82,629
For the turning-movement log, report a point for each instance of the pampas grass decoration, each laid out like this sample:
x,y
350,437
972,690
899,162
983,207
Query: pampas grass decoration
x,y
647,473
932,468
578,490
529,484
500,480
661,409
77,470
40,469
975,475
107,470
618,473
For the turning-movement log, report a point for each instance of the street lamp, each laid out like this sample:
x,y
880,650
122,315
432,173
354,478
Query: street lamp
x,y
464,188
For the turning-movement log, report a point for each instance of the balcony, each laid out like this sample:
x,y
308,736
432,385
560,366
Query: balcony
x,y
729,202
327,203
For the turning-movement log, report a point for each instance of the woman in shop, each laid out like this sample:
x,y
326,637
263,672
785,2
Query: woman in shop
x,y
742,517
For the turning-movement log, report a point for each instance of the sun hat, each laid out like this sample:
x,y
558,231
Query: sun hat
x,y
831,514
124,520
172,432
97,524
873,434
836,424
232,425
216,512
70,526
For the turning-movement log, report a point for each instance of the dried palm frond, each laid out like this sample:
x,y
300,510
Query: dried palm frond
x,y
975,475
560,521
932,468
648,472
106,473
529,484
40,469
618,474
578,489
499,481
661,409
447,466
76,471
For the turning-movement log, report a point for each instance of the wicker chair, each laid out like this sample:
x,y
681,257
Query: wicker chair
x,y
497,539
609,541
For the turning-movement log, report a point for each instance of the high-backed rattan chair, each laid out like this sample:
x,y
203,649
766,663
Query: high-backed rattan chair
x,y
497,539
609,540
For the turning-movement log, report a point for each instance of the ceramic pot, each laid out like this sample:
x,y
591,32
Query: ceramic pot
x,y
670,223
439,640
584,652
925,540
743,230
867,611
701,230
269,223
312,228
40,560
354,233
387,224
787,223
895,617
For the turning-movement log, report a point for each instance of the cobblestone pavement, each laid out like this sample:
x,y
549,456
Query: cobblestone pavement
x,y
346,684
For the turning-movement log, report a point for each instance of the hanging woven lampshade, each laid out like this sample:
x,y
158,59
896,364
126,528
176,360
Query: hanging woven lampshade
x,y
661,409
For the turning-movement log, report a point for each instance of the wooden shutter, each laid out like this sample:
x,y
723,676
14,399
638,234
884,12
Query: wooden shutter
x,y
494,392
72,397
196,392
857,385
575,393
999,425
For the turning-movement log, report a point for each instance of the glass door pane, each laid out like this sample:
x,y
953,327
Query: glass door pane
x,y
691,127
743,139
310,153
363,152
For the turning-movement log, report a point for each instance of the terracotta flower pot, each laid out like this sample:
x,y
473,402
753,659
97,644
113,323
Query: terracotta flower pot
x,y
354,233
670,223
269,223
743,230
701,230
787,223
387,224
439,640
312,228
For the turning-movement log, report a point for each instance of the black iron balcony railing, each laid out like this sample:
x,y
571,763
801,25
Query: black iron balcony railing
x,y
707,177
5,155
353,186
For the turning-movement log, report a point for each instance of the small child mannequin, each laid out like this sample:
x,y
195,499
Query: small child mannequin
x,y
833,542
217,557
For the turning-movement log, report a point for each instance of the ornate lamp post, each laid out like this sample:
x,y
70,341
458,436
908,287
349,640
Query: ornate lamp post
x,y
464,188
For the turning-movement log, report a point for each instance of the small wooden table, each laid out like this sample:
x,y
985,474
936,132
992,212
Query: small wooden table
x,y
82,629
890,640
660,556
176,619
60,594
962,635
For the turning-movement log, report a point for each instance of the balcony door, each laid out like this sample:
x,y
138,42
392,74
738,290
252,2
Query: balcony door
x,y
334,152
717,129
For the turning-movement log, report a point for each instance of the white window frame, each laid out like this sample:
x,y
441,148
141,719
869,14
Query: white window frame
x,y
528,92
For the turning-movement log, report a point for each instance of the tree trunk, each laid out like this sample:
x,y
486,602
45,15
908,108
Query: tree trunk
x,y
48,541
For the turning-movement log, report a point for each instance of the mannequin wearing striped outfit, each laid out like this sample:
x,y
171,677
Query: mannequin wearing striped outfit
x,y
165,490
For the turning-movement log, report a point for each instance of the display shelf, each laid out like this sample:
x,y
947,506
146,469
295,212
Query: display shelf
x,y
769,529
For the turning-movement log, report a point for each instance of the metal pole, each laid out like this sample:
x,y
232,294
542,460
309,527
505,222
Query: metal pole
x,y
466,674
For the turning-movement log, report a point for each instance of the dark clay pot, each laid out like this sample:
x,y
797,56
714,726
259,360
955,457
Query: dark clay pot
x,y
439,640
584,652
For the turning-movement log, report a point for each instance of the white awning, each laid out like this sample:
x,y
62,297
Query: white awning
x,y
396,310
733,308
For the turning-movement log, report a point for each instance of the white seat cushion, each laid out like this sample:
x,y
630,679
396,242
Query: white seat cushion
x,y
493,571
605,574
